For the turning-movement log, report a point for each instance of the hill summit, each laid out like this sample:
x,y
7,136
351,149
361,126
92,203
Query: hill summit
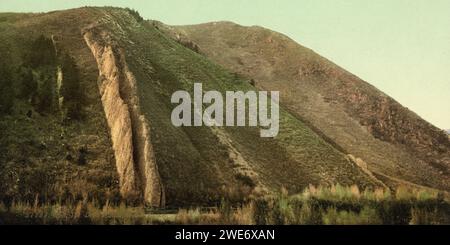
x,y
86,114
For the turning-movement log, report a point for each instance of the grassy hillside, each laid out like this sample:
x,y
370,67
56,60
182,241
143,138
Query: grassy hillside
x,y
199,156
44,154
85,110
353,116
57,157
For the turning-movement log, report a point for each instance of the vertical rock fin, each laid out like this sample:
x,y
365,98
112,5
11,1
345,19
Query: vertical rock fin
x,y
130,131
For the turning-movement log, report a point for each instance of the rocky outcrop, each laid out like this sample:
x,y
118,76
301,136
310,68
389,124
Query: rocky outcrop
x,y
130,131
361,164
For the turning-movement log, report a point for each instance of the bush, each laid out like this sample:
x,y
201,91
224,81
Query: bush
x,y
367,216
261,211
244,215
282,212
190,45
135,14
425,217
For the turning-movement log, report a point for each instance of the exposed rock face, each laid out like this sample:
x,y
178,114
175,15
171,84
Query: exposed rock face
x,y
363,166
133,151
144,157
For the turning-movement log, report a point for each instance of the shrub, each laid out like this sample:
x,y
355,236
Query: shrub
x,y
367,216
244,215
188,216
425,217
282,212
261,211
135,14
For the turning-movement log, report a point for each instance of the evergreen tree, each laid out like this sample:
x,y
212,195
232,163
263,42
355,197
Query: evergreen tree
x,y
28,83
6,86
41,89
6,91
42,53
71,89
46,94
135,14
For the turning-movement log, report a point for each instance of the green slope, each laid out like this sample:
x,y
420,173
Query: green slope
x,y
197,165
352,114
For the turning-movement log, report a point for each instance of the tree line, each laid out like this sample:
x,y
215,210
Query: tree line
x,y
36,81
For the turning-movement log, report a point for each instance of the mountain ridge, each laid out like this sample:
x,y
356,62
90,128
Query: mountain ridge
x,y
277,63
130,150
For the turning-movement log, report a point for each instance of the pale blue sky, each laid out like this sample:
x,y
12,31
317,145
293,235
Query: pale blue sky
x,y
400,46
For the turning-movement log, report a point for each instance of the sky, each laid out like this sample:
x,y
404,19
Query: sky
x,y
400,46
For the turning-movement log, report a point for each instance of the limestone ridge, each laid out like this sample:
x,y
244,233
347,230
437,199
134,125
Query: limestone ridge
x,y
130,131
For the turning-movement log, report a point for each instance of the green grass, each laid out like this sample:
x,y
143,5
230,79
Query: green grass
x,y
335,205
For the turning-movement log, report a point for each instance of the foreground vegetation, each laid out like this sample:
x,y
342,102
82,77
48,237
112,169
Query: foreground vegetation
x,y
323,205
